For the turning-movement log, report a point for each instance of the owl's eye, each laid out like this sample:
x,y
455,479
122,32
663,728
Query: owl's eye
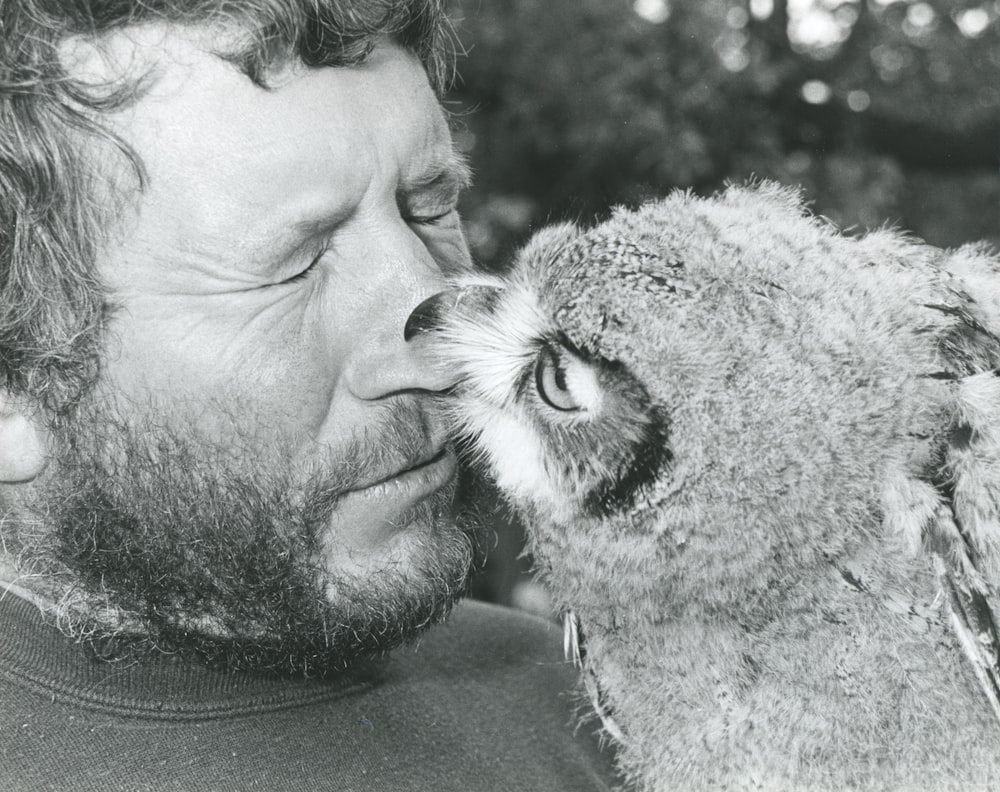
x,y
551,380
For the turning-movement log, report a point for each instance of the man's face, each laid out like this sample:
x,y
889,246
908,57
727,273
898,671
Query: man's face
x,y
256,354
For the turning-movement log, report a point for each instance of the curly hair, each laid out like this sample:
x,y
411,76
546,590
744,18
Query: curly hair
x,y
52,206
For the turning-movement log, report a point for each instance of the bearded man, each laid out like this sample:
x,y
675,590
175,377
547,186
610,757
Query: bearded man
x,y
225,488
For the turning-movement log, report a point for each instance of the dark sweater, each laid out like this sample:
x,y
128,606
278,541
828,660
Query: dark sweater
x,y
483,703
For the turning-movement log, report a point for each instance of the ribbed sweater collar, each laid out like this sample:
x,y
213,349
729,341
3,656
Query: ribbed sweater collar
x,y
36,656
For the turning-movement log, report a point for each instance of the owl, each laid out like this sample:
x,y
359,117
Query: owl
x,y
758,460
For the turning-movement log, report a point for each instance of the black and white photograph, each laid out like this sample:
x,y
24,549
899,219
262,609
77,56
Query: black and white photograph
x,y
501,395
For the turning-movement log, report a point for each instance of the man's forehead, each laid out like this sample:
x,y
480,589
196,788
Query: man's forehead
x,y
194,103
161,59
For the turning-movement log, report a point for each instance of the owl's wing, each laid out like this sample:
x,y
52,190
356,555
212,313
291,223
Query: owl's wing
x,y
970,613
965,531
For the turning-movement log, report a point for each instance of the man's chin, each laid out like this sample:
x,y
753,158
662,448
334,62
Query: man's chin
x,y
369,605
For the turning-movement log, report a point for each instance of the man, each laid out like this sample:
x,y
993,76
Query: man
x,y
224,478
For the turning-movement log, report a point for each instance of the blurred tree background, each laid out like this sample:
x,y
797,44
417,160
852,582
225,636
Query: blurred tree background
x,y
885,111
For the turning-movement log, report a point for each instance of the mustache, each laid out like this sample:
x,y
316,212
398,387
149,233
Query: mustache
x,y
403,435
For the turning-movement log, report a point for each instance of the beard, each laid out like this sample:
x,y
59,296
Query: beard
x,y
155,540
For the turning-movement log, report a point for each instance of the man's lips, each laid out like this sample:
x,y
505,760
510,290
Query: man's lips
x,y
411,484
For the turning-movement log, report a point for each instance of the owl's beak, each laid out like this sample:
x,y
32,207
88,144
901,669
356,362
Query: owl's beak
x,y
427,316
432,312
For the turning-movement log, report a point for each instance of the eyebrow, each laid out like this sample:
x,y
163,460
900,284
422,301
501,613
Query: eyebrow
x,y
449,173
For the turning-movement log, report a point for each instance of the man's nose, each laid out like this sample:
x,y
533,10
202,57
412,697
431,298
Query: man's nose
x,y
383,362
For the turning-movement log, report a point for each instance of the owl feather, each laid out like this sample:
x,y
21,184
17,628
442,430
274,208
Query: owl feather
x,y
759,461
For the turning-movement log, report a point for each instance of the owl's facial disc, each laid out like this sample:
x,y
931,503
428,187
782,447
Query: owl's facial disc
x,y
565,432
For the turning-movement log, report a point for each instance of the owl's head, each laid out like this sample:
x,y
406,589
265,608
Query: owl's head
x,y
568,430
